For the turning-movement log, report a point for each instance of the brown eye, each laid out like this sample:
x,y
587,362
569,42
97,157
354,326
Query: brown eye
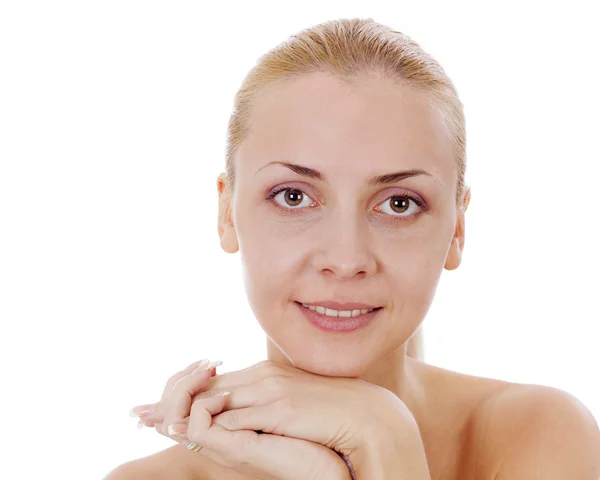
x,y
293,197
401,204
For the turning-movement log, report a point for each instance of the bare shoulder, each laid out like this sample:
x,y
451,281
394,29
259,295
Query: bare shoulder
x,y
169,464
523,429
133,470
508,431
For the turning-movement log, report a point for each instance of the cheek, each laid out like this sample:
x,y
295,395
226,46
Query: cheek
x,y
272,259
415,263
270,245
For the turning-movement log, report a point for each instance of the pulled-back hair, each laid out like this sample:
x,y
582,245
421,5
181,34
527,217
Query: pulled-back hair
x,y
352,50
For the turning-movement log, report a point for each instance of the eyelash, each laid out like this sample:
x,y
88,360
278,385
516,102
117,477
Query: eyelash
x,y
422,206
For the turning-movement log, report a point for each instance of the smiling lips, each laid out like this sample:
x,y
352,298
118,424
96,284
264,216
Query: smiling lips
x,y
334,321
337,313
334,309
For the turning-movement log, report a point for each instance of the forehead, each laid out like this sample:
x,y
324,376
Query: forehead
x,y
318,120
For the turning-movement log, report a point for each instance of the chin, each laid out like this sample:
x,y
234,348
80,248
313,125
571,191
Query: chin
x,y
332,355
331,364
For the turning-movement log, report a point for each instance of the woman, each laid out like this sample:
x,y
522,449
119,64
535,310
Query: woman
x,y
344,193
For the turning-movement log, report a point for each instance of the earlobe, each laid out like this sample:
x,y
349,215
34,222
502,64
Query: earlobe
x,y
454,256
227,233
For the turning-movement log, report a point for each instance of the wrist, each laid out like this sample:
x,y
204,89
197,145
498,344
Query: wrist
x,y
395,451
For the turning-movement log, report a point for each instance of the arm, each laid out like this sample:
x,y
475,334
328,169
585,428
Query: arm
x,y
558,439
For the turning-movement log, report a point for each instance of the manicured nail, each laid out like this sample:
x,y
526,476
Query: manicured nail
x,y
137,413
171,430
140,425
208,366
223,394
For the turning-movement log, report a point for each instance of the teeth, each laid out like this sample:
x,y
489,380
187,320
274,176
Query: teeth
x,y
337,313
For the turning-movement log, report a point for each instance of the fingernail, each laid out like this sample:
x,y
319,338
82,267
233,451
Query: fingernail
x,y
134,413
140,425
208,366
172,431
223,394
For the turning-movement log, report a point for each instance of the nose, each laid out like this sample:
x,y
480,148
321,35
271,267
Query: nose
x,y
345,249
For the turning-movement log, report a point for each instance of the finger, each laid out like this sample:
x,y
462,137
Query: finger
x,y
193,366
150,412
202,414
181,374
142,409
252,418
250,450
278,419
255,452
262,392
146,410
152,418
156,423
260,384
178,404
139,410
247,376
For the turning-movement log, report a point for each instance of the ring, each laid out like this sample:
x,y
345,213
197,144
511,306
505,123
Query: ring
x,y
193,446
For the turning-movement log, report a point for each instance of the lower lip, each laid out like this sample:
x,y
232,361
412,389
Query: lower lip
x,y
338,324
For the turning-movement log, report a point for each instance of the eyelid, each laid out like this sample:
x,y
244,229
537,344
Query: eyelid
x,y
394,192
417,199
285,186
422,208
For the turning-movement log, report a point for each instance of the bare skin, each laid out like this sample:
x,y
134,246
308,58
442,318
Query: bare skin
x,y
345,240
450,417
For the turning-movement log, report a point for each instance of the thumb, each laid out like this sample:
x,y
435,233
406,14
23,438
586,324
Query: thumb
x,y
203,409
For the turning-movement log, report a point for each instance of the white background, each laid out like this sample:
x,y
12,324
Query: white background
x,y
112,131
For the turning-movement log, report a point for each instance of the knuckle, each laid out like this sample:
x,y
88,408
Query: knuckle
x,y
213,392
232,419
204,394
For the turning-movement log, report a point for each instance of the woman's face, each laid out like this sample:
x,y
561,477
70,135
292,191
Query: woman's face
x,y
337,235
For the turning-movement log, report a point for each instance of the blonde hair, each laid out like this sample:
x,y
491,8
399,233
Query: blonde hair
x,y
353,50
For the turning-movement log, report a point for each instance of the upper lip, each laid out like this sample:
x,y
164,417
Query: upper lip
x,y
340,306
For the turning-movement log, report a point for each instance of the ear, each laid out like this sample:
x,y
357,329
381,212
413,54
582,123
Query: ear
x,y
458,240
227,234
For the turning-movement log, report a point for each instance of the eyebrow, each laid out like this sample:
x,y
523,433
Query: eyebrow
x,y
374,181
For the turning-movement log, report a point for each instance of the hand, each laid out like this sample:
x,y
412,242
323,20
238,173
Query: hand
x,y
152,414
244,450
347,415
343,414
